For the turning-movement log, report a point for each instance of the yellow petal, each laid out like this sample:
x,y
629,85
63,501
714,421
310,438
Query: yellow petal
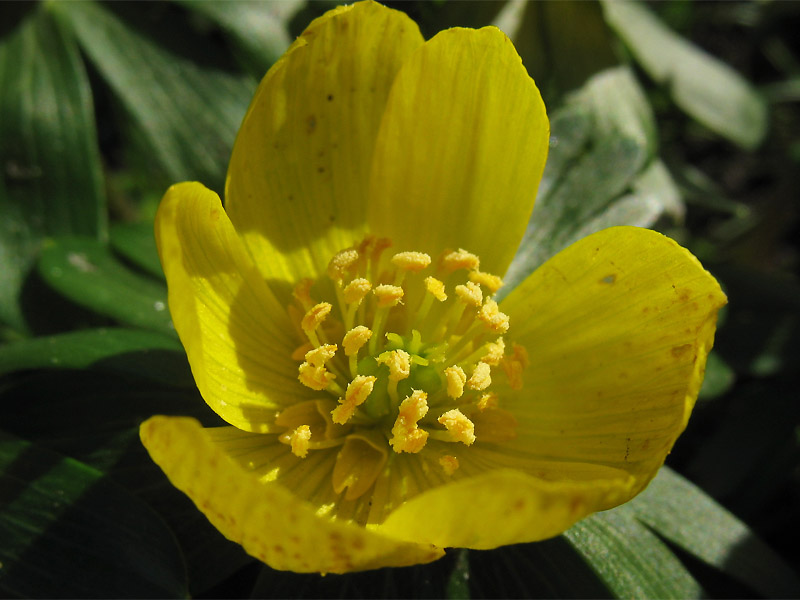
x,y
270,522
234,331
297,180
461,149
617,327
513,507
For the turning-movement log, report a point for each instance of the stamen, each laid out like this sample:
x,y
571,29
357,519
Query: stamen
x,y
494,352
459,426
388,295
487,401
514,365
456,378
341,263
302,293
481,377
355,291
492,283
357,392
316,378
353,341
399,363
449,464
470,294
406,435
299,441
458,259
411,261
435,288
494,319
313,319
319,356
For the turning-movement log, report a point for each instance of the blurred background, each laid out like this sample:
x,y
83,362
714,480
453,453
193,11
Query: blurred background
x,y
680,116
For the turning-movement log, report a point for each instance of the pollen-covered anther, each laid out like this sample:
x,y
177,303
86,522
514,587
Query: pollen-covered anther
x,y
315,316
302,293
470,294
494,352
435,288
406,434
399,363
449,464
487,401
341,263
460,428
319,356
495,320
481,377
355,291
299,441
521,355
492,283
456,378
316,378
355,339
459,259
411,261
357,393
388,295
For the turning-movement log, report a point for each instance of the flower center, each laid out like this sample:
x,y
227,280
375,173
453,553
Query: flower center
x,y
403,364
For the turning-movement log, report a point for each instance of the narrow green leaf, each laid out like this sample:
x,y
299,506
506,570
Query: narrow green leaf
x,y
136,242
703,86
258,27
600,172
630,559
86,272
69,532
458,582
686,516
186,114
48,149
146,354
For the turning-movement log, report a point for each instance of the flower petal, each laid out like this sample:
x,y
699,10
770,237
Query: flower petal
x,y
617,328
236,335
504,506
298,176
265,518
461,149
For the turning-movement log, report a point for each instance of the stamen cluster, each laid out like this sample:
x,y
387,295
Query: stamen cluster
x,y
401,357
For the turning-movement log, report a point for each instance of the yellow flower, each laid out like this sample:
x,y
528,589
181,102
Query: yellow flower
x,y
339,313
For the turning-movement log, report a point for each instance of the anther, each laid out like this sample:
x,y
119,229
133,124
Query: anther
x,y
461,429
399,363
313,319
406,435
456,378
357,392
481,377
458,259
495,320
355,291
449,464
388,295
319,356
435,288
487,401
355,339
494,352
470,294
316,378
341,263
302,293
492,283
299,441
411,261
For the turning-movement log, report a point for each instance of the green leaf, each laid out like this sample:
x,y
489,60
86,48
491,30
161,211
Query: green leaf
x,y
689,518
86,272
703,86
258,27
48,150
187,115
136,242
600,172
69,532
145,354
718,379
631,560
